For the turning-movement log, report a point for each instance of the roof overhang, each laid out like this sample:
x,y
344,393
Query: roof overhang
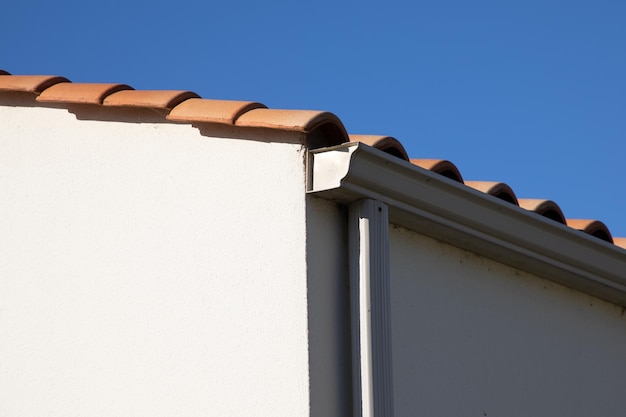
x,y
453,213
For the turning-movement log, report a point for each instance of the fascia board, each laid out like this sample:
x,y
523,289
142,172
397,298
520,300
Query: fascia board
x,y
453,213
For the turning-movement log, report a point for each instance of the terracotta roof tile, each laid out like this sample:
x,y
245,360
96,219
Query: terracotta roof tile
x,y
322,129
29,83
545,208
159,99
440,166
386,144
297,120
213,111
592,227
497,189
306,121
80,93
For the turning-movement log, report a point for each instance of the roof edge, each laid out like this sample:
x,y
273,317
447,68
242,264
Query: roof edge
x,y
425,202
386,144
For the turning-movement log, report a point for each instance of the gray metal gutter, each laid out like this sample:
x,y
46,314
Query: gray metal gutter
x,y
450,212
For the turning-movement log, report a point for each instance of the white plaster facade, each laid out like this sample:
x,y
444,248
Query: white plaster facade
x,y
145,271
473,337
150,269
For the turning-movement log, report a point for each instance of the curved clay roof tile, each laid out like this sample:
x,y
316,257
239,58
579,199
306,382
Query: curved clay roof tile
x,y
591,227
440,166
545,208
497,189
620,241
80,93
322,129
327,127
386,144
29,83
212,111
154,99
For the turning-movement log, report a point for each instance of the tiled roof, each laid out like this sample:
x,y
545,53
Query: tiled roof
x,y
322,129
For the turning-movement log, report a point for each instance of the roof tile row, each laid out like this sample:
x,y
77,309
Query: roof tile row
x,y
188,107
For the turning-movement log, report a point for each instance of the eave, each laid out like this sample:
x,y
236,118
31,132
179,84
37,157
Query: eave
x,y
453,213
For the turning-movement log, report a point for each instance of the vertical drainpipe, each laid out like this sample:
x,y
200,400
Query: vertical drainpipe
x,y
370,309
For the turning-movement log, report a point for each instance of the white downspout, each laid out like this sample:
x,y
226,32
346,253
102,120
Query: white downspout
x,y
370,309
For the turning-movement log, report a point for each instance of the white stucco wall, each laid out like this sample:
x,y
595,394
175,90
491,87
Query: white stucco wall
x,y
146,269
472,337
329,309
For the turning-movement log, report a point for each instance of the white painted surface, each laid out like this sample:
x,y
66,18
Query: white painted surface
x,y
472,337
145,271
148,270
368,230
329,309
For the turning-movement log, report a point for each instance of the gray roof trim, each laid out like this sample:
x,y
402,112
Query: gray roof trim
x,y
461,216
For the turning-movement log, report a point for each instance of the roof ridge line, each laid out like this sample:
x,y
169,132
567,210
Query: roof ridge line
x,y
323,129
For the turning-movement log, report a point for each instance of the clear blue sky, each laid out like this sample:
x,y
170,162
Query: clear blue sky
x,y
530,93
